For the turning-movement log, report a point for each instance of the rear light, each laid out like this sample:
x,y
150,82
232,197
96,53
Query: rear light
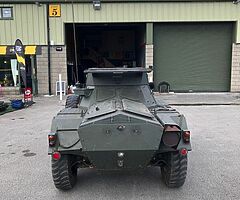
x,y
186,136
52,139
183,152
171,136
56,155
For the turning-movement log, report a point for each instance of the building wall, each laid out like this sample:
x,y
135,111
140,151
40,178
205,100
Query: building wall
x,y
235,81
58,66
28,24
145,12
29,21
149,60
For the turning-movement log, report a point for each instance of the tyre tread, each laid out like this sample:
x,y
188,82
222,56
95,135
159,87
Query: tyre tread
x,y
175,171
72,101
63,176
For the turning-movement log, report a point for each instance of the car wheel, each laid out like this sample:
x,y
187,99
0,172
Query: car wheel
x,y
64,173
72,101
174,171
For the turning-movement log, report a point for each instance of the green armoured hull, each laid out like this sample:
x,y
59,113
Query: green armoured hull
x,y
109,160
136,137
115,123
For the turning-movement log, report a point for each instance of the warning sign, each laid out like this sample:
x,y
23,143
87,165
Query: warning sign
x,y
28,95
54,10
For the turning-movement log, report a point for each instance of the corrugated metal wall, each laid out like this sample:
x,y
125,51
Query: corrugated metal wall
x,y
30,17
145,12
28,24
193,56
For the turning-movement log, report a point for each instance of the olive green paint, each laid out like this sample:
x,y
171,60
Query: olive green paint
x,y
28,24
29,20
149,33
118,119
144,12
237,32
193,56
103,1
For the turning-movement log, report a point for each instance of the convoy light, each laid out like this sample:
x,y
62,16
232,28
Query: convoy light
x,y
171,135
120,154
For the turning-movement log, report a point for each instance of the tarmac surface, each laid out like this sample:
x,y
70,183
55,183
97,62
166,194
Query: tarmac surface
x,y
171,98
213,172
200,98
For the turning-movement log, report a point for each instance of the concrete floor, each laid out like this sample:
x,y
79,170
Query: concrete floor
x,y
213,172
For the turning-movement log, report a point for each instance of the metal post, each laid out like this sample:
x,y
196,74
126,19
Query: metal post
x,y
19,78
49,53
60,86
33,75
75,43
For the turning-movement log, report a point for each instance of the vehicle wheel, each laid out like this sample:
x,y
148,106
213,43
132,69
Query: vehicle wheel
x,y
64,173
174,171
72,101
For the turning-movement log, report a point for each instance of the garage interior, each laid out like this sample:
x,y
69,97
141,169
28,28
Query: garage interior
x,y
103,46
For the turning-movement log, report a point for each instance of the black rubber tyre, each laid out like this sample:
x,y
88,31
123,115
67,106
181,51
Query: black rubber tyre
x,y
72,101
174,172
64,173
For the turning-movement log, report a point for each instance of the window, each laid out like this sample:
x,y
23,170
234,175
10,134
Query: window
x,y
6,13
8,71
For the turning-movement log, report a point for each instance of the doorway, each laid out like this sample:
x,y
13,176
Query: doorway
x,y
103,46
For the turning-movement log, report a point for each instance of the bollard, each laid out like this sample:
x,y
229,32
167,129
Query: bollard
x,y
60,86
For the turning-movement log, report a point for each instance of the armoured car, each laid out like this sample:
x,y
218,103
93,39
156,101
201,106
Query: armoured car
x,y
115,123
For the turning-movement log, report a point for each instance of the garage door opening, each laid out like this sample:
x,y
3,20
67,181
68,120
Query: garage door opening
x,y
104,46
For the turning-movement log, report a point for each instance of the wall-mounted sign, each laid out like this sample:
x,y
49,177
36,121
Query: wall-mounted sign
x,y
28,94
28,50
59,49
54,10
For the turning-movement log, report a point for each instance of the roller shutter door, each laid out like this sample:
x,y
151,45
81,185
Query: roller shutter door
x,y
193,56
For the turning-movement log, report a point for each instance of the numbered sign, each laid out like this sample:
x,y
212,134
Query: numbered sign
x,y
54,10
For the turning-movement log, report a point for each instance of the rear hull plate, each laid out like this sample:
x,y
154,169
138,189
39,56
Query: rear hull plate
x,y
110,160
